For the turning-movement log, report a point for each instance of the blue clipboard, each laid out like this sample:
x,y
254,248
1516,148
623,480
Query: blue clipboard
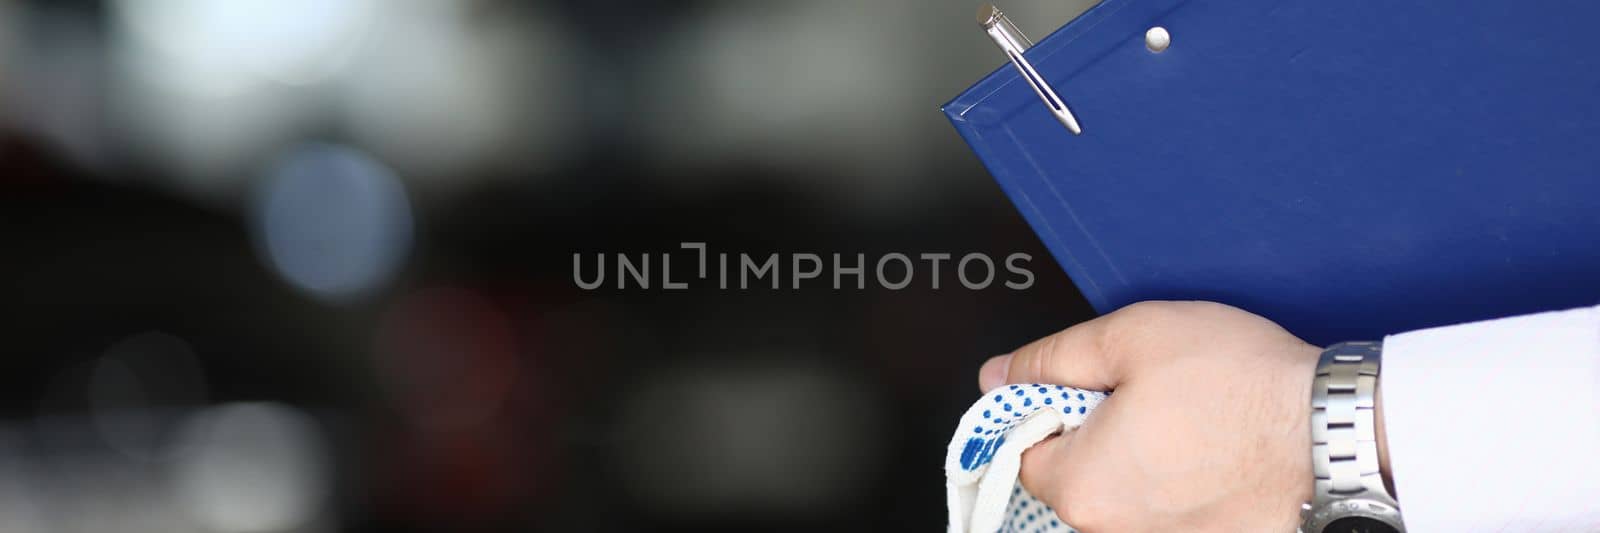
x,y
1347,169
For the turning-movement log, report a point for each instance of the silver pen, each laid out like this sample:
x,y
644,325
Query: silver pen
x,y
1014,43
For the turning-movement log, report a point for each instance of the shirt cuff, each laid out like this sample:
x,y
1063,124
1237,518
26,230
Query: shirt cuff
x,y
1495,426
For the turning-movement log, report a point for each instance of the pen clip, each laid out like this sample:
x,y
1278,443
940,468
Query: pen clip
x,y
1014,43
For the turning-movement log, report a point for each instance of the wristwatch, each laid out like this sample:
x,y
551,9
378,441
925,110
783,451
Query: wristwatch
x,y
1349,495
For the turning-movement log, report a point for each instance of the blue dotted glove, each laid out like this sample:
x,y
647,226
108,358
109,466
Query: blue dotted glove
x,y
984,457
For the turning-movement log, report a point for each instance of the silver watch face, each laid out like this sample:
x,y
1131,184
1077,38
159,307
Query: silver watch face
x,y
1354,515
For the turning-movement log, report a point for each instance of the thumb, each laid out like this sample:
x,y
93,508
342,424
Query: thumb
x,y
1074,357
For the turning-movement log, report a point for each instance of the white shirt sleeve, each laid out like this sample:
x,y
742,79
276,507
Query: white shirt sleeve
x,y
1495,426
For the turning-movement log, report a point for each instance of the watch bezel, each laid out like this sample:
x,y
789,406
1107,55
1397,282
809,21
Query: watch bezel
x,y
1319,518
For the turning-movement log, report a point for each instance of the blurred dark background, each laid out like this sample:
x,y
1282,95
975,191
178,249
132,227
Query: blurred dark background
x,y
307,265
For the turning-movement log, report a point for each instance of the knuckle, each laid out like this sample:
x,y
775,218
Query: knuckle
x,y
1037,366
1148,312
1138,327
1129,328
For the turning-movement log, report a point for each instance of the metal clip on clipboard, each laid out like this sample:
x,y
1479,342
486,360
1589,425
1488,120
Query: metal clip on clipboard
x,y
1014,43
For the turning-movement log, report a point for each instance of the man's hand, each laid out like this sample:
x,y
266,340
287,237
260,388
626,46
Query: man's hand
x,y
1207,430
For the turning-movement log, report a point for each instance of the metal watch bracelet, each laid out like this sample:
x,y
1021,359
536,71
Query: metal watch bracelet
x,y
1348,485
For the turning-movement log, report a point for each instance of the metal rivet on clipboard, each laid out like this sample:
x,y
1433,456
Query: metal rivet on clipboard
x,y
1013,42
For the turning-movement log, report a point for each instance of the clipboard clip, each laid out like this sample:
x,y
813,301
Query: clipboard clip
x,y
1014,43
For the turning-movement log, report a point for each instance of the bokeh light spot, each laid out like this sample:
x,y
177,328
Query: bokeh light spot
x,y
251,468
333,221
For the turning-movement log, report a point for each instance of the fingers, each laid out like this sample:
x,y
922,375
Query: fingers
x,y
1041,470
1098,354
993,373
1074,357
